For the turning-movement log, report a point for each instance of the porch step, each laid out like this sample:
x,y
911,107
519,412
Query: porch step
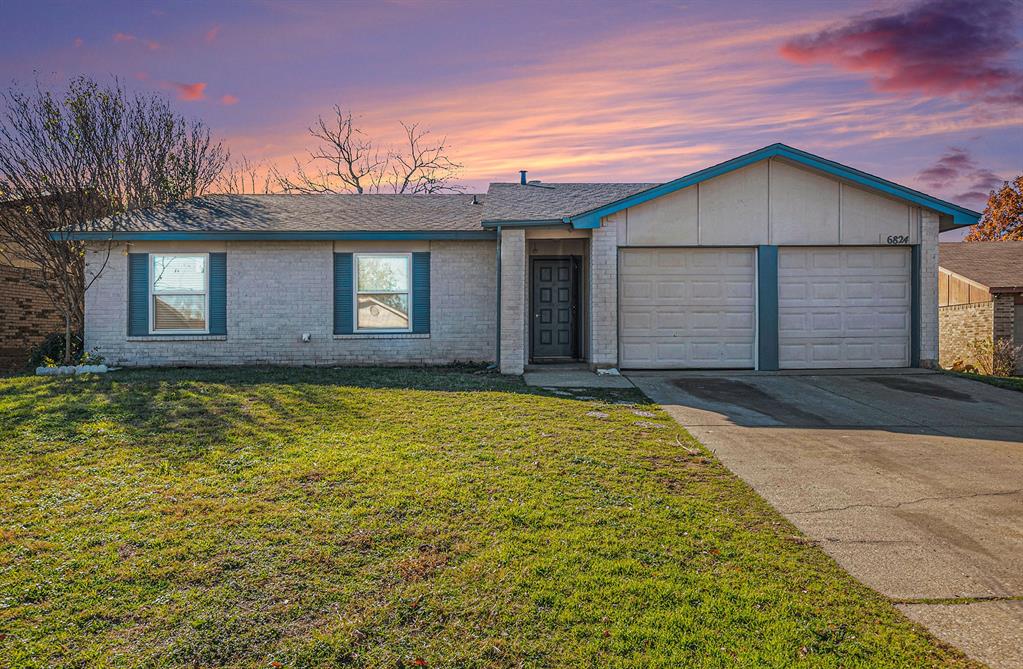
x,y
557,367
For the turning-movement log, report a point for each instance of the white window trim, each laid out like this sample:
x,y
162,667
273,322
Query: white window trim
x,y
152,305
356,291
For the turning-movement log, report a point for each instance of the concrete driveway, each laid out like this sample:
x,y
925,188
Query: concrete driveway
x,y
912,481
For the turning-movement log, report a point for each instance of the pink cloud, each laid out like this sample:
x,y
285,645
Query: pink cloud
x,y
78,42
934,47
124,37
211,34
152,45
190,92
228,99
141,75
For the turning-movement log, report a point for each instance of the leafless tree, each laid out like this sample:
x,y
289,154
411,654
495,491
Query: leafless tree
x,y
90,150
243,177
346,161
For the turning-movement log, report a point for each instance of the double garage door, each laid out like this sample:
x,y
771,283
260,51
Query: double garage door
x,y
697,307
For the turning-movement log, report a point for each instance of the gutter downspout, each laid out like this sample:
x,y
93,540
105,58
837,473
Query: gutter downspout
x,y
497,357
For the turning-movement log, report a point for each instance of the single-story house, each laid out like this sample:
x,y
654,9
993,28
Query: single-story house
x,y
980,296
776,259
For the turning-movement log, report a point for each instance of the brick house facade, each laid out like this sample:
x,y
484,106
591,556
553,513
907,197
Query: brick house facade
x,y
26,317
776,259
980,293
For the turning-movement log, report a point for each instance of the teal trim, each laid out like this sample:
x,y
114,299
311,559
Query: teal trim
x,y
421,292
178,235
538,223
138,294
218,294
767,308
914,328
344,278
959,215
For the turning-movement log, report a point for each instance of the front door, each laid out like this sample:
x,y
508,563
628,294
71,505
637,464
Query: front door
x,y
555,309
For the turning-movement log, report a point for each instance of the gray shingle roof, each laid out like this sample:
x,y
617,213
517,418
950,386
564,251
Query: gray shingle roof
x,y
300,213
550,201
992,264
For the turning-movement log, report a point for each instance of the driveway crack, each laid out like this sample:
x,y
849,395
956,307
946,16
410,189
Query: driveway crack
x,y
998,493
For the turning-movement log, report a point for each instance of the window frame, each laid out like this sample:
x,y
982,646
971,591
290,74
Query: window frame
x,y
355,292
152,282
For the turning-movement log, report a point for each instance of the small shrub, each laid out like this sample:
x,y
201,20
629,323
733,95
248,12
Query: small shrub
x,y
1005,358
50,352
992,358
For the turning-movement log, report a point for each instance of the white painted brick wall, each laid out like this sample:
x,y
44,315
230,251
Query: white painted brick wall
x,y
604,294
513,301
278,290
928,288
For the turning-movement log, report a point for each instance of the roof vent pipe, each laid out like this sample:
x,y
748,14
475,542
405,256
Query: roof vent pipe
x,y
522,177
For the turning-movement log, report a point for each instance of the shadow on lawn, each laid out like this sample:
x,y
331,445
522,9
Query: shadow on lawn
x,y
183,414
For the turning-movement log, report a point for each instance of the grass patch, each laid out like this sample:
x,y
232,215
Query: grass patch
x,y
399,518
1007,382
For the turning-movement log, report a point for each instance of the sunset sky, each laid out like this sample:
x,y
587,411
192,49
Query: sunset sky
x,y
926,94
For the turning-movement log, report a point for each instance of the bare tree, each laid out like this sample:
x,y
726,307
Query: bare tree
x,y
346,161
89,151
243,177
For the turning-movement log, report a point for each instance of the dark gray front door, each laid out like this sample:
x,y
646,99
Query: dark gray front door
x,y
554,324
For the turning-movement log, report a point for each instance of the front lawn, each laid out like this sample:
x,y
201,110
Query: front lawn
x,y
396,518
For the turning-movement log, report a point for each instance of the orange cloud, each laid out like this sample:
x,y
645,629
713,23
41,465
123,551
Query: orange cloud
x,y
647,104
124,37
78,42
228,99
190,92
211,34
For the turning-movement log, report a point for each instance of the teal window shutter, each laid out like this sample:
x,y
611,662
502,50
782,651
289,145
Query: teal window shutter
x,y
421,292
138,294
344,321
218,294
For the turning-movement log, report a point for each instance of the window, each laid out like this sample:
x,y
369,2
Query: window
x,y
179,290
382,292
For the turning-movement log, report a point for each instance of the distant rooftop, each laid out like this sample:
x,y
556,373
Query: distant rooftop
x,y
995,265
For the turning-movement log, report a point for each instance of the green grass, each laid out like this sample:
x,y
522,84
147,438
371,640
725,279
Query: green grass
x,y
391,518
1008,382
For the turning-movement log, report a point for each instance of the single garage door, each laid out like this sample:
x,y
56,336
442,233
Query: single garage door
x,y
689,307
844,307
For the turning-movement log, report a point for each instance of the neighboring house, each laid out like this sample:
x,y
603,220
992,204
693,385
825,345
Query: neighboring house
x,y
980,296
27,314
775,259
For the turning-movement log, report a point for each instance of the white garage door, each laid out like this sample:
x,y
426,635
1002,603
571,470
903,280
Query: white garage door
x,y
844,307
686,308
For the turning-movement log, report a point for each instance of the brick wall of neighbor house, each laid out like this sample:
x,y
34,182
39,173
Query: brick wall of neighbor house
x,y
1004,316
276,291
26,317
960,324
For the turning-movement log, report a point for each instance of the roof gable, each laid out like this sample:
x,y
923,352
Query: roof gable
x,y
953,213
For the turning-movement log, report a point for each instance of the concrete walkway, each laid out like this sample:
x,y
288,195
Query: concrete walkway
x,y
574,378
913,482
